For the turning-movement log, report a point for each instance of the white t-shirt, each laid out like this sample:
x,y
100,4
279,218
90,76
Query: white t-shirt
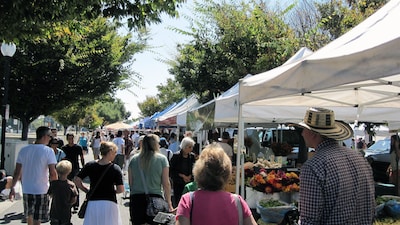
x,y
97,142
35,160
119,141
165,152
227,148
135,138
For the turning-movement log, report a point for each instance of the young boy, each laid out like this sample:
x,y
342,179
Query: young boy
x,y
63,193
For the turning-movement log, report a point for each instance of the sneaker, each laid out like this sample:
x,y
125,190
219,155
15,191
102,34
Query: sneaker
x,y
75,209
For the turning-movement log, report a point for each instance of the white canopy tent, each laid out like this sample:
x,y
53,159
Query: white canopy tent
x,y
367,52
171,117
356,75
227,105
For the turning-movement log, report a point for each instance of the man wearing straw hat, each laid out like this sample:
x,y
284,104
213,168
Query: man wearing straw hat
x,y
336,185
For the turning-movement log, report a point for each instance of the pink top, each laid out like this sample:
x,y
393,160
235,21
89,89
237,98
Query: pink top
x,y
212,208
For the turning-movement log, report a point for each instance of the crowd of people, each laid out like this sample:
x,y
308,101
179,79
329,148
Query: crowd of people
x,y
52,171
169,166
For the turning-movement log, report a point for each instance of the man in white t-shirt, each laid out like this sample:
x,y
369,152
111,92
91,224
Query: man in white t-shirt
x,y
164,148
135,138
120,143
36,163
224,144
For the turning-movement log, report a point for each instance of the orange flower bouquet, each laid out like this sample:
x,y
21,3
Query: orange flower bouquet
x,y
274,181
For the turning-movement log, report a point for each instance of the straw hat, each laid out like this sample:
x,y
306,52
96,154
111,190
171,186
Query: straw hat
x,y
323,121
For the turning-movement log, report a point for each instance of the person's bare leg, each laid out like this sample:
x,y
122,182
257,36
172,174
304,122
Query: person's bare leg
x,y
29,220
9,182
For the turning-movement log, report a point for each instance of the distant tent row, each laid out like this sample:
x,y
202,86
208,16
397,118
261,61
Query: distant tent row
x,y
173,115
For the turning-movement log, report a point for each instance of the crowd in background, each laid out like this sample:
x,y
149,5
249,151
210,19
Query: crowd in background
x,y
121,149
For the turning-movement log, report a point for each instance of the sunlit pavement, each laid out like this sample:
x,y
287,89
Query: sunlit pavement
x,y
12,212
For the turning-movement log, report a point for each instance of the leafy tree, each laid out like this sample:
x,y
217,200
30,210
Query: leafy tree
x,y
304,19
316,23
69,115
169,93
112,111
92,115
29,19
149,106
59,52
337,17
229,42
68,68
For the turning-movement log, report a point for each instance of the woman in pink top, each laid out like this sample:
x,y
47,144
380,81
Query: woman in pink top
x,y
211,204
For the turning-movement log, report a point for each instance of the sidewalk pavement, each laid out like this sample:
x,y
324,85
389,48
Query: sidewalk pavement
x,y
13,212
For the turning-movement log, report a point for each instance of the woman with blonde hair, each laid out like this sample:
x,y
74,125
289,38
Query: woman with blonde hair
x,y
102,206
155,169
211,172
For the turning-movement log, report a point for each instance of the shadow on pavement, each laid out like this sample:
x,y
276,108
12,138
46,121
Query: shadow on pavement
x,y
11,216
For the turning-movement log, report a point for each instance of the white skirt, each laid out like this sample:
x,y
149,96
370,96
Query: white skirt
x,y
102,212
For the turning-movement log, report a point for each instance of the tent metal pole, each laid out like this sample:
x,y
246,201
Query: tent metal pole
x,y
239,154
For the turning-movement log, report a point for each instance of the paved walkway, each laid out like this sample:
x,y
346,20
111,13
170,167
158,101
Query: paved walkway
x,y
12,212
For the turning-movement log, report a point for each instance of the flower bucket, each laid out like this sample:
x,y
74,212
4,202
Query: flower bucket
x,y
262,196
295,196
285,197
253,197
273,214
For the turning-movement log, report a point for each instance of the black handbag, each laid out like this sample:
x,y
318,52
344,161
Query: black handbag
x,y
82,209
155,204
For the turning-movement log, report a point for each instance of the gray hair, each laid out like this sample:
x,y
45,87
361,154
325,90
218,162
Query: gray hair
x,y
186,141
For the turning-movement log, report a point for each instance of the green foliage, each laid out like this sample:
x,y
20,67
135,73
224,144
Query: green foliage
x,y
77,64
23,20
93,114
266,203
69,115
169,93
229,42
149,106
337,17
112,112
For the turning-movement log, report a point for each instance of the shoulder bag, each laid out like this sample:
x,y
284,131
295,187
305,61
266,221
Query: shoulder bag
x,y
82,210
156,206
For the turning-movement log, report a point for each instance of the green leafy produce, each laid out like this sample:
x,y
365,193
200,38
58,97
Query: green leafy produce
x,y
270,203
383,199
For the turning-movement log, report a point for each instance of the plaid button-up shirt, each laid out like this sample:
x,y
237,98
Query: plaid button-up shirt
x,y
336,187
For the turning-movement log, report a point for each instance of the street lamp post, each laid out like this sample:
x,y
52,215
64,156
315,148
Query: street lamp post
x,y
8,50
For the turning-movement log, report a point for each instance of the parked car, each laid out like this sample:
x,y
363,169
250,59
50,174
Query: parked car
x,y
378,155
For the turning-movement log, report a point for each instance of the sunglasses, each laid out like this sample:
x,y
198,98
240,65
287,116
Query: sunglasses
x,y
54,143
